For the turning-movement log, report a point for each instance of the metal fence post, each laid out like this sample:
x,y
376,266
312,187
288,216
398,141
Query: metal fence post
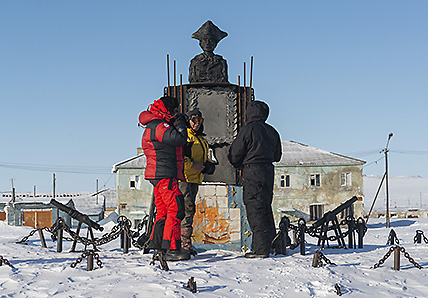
x,y
351,235
302,226
315,260
397,258
126,242
90,266
418,237
360,226
294,237
59,239
42,237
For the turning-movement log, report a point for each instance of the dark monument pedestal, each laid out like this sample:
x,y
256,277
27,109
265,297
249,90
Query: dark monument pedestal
x,y
222,106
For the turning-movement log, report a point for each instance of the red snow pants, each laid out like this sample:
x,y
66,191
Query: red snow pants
x,y
169,203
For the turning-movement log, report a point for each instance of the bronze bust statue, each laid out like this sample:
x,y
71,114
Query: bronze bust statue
x,y
208,67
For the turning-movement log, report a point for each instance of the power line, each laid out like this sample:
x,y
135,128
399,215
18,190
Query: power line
x,y
58,168
376,151
105,184
373,162
364,153
412,152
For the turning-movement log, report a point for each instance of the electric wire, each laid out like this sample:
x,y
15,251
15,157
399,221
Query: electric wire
x,y
369,152
58,168
373,162
411,152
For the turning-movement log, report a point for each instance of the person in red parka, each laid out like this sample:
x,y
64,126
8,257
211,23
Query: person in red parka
x,y
163,140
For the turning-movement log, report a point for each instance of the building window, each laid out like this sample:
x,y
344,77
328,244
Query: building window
x,y
134,182
345,179
315,180
285,181
316,211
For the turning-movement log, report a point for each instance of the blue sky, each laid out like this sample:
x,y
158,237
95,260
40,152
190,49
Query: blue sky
x,y
338,75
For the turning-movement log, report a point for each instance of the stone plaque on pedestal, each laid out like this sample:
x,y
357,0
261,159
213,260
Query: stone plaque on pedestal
x,y
219,108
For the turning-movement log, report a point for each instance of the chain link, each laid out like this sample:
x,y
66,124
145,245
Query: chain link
x,y
419,237
391,249
85,254
318,233
411,260
392,238
123,225
25,239
78,260
322,257
383,259
5,261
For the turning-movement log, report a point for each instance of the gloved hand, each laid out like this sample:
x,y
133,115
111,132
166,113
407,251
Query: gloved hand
x,y
180,121
180,117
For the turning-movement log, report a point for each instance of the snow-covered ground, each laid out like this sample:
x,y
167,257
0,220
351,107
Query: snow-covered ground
x,y
43,272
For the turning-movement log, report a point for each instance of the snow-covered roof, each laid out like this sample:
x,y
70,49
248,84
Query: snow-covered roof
x,y
26,197
89,205
85,202
136,162
297,154
293,154
110,197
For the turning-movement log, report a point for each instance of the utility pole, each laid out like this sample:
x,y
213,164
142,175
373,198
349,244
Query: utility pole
x,y
54,180
13,191
53,187
386,180
97,192
34,191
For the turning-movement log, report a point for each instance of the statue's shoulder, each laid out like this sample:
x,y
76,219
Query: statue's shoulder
x,y
198,57
220,58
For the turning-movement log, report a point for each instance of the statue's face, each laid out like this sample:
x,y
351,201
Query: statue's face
x,y
208,44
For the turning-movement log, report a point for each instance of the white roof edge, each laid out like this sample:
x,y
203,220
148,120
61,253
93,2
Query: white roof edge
x,y
114,170
357,161
277,164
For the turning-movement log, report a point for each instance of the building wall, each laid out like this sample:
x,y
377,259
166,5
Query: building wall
x,y
301,194
2,212
133,202
30,214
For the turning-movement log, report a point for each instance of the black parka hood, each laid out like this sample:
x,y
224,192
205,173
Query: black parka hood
x,y
257,111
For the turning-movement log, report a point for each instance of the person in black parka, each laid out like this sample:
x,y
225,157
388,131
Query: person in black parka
x,y
257,145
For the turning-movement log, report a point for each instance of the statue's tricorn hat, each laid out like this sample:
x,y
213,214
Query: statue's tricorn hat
x,y
208,29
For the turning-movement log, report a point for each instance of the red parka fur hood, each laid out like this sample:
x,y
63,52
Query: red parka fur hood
x,y
157,110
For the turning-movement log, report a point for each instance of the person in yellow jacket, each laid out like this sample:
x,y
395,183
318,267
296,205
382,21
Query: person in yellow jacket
x,y
195,155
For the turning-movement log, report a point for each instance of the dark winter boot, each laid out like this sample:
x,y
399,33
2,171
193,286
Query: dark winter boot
x,y
159,255
177,255
253,255
186,240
